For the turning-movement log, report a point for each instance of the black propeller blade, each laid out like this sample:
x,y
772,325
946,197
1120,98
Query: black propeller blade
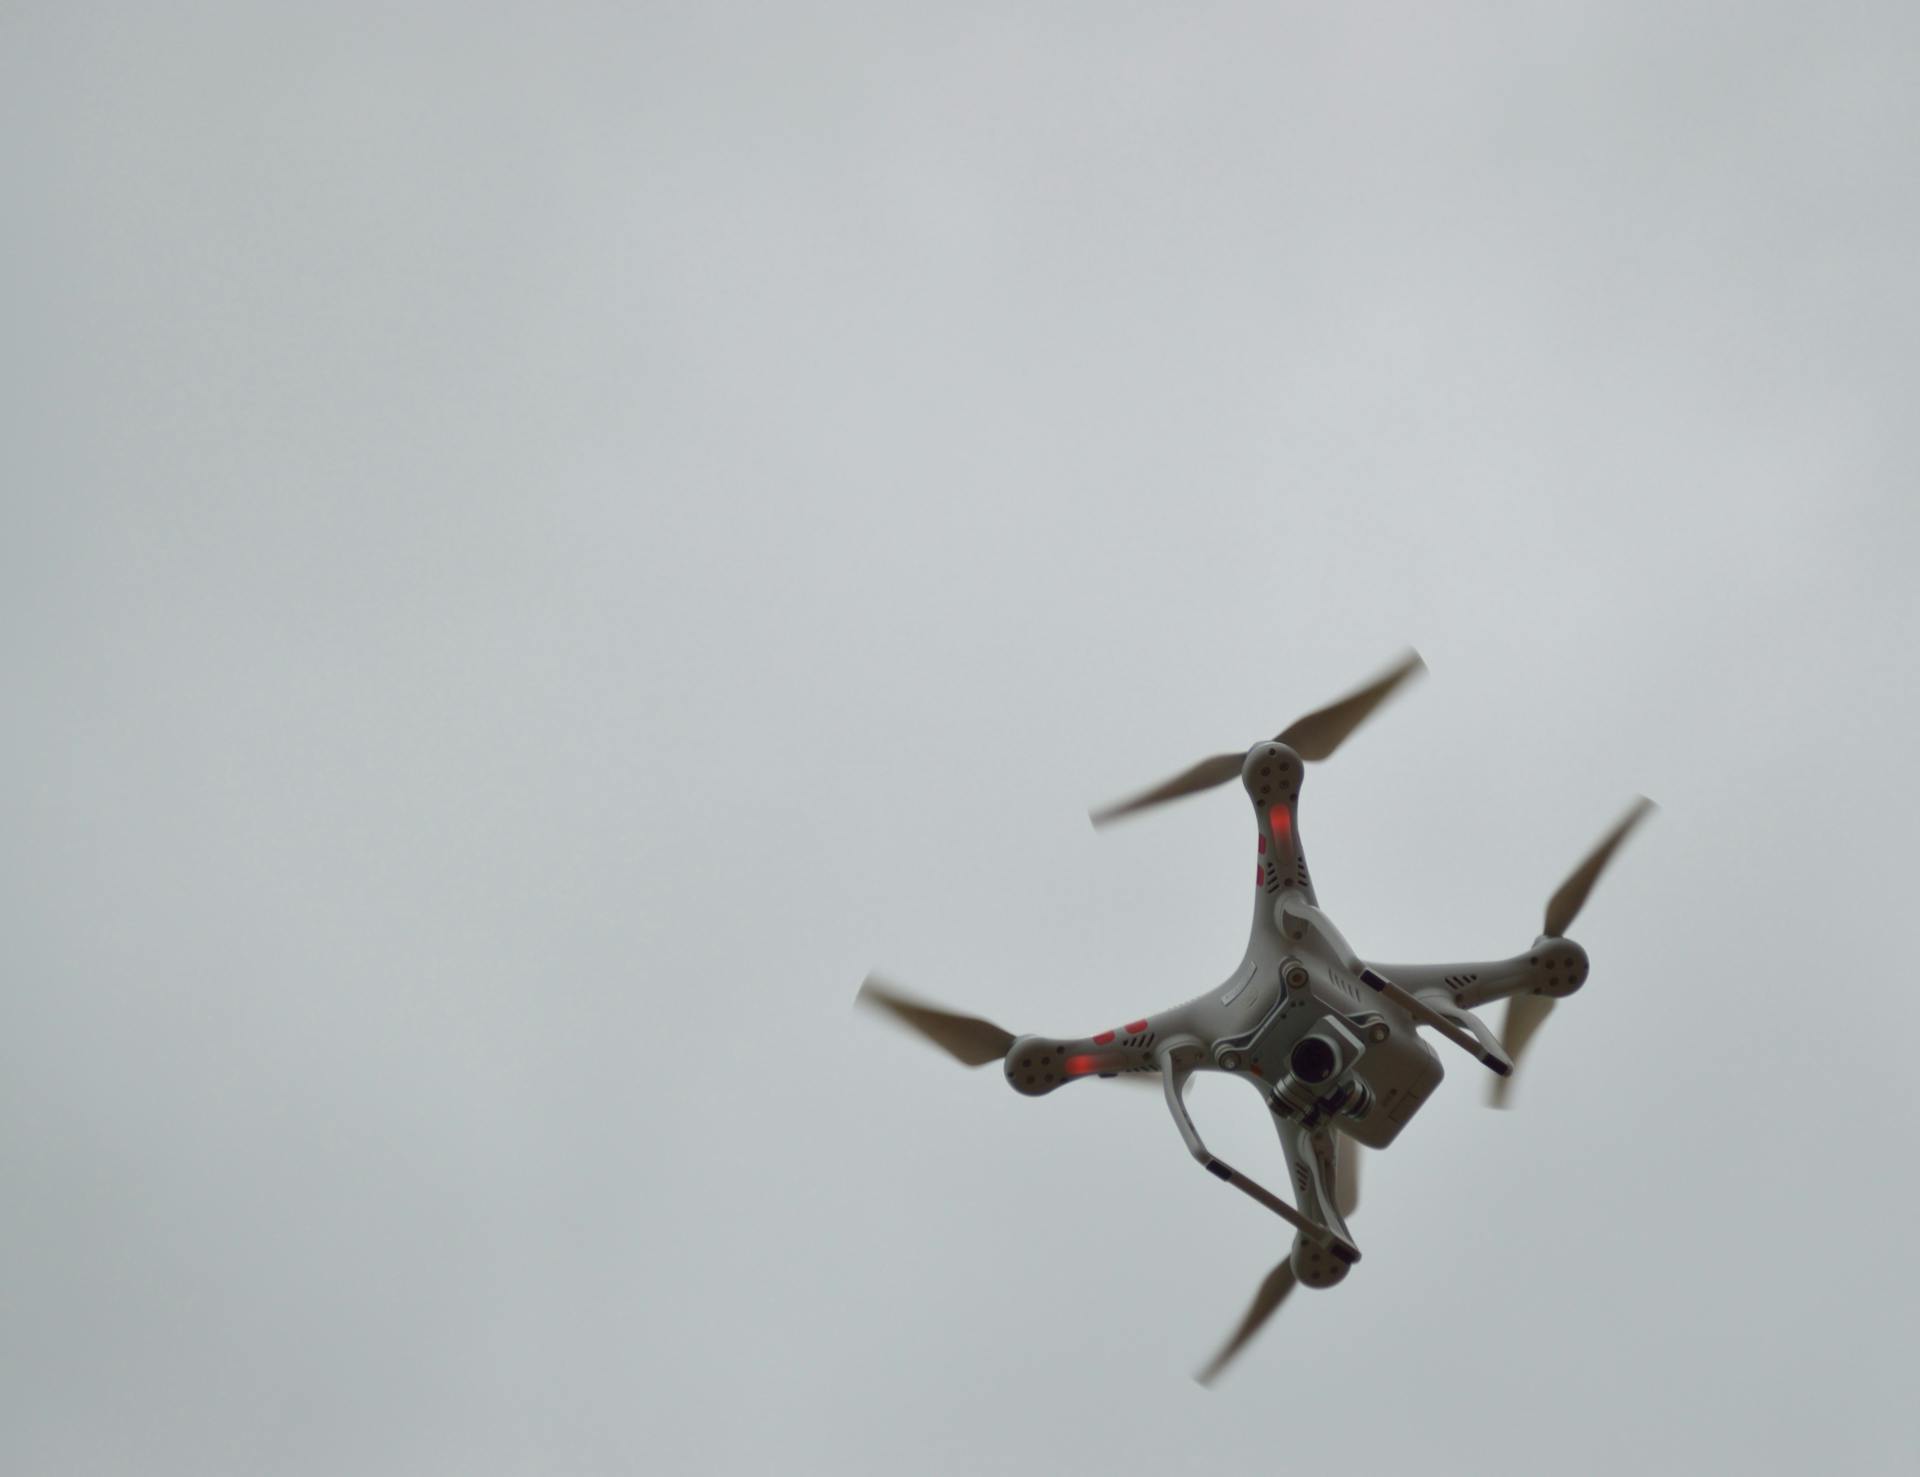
x,y
1317,735
1564,906
966,1038
1202,776
1526,1013
1266,1302
1346,1174
1281,1281
1313,737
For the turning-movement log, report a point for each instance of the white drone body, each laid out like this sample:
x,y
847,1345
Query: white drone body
x,y
1328,1039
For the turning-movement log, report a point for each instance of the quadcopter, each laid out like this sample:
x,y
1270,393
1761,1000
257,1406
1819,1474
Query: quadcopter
x,y
1327,1038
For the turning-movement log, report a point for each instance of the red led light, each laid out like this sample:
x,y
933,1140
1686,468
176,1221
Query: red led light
x,y
1263,843
1079,1066
1280,819
1136,1028
1105,1038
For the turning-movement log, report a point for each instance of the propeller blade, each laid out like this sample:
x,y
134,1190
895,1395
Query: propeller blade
x,y
1525,1015
1318,734
1564,906
1202,776
1313,737
966,1038
1346,1174
1273,1292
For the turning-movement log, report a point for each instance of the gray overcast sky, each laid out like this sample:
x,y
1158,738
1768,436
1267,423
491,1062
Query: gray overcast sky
x,y
540,543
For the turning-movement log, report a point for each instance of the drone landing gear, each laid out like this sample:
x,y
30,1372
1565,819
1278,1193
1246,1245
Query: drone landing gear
x,y
1330,1243
1312,1164
1462,1027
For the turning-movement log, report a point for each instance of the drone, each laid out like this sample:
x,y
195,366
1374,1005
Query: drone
x,y
1327,1038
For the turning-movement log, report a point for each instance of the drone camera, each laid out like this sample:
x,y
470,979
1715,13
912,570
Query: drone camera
x,y
1318,1060
1313,1059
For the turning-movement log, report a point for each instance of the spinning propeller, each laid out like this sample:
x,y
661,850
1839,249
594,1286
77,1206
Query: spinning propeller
x,y
1313,738
966,1038
1526,1013
974,1042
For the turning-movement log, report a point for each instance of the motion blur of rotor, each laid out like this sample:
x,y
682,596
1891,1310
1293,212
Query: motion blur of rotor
x,y
966,1038
1281,1280
1313,738
1528,1012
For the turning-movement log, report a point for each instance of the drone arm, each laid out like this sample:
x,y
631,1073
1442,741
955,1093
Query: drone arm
x,y
1313,1164
1553,966
1173,1081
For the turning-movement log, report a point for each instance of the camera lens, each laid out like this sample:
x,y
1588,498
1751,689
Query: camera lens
x,y
1312,1059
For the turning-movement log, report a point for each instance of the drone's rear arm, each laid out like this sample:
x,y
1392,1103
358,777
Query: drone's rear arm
x,y
1553,966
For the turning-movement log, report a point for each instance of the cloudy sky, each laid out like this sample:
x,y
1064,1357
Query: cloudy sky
x,y
541,543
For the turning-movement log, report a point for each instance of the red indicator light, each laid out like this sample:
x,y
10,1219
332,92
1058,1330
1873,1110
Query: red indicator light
x,y
1079,1066
1136,1028
1263,843
1281,820
1105,1038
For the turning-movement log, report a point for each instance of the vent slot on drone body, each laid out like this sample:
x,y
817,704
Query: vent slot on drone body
x,y
1459,982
